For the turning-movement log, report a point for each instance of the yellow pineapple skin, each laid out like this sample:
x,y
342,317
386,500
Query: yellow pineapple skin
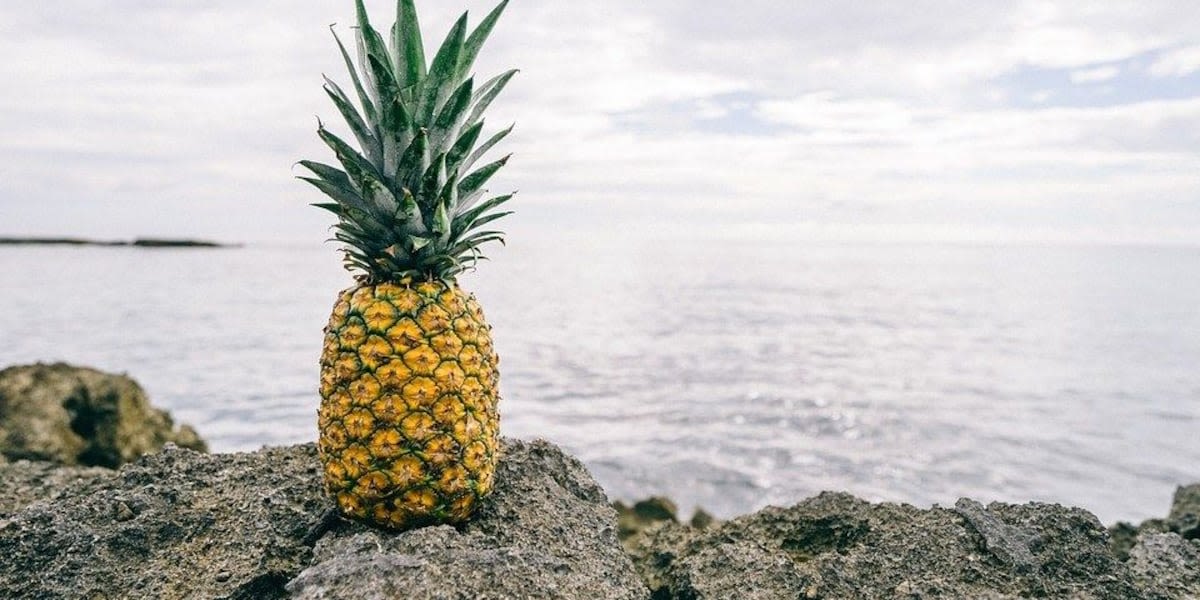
x,y
409,428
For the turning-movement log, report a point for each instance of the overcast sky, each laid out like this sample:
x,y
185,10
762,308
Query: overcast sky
x,y
860,120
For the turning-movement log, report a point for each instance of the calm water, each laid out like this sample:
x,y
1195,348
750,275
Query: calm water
x,y
729,375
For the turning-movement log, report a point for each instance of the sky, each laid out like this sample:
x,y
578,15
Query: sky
x,y
960,121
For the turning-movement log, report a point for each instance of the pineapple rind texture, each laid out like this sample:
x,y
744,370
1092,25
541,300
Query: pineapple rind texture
x,y
409,429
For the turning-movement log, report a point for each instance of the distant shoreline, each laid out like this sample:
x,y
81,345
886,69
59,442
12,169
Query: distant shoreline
x,y
136,243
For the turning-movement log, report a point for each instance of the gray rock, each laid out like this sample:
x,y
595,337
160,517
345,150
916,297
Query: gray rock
x,y
24,482
546,532
78,416
837,546
177,524
644,514
738,569
701,519
1166,566
1184,519
181,524
1185,512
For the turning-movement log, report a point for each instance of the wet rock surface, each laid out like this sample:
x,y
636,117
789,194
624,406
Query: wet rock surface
x,y
837,546
79,416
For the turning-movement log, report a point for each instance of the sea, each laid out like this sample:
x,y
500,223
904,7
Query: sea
x,y
726,374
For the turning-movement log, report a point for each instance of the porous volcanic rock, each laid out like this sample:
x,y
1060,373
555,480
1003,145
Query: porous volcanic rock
x,y
546,532
180,524
838,546
1165,565
1185,512
177,524
24,482
79,416
1184,520
632,520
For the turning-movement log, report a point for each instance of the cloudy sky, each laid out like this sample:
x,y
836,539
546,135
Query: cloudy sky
x,y
823,119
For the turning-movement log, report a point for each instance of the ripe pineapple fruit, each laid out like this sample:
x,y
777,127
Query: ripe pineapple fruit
x,y
408,422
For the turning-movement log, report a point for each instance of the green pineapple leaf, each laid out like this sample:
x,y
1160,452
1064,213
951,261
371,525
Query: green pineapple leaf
x,y
330,174
474,43
463,145
332,207
441,80
488,145
469,216
408,45
475,181
450,119
369,44
368,106
488,93
405,196
435,179
359,127
414,162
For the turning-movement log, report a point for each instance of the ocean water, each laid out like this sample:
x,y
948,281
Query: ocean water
x,y
729,375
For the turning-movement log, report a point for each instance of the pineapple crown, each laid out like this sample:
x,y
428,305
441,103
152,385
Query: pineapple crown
x,y
407,201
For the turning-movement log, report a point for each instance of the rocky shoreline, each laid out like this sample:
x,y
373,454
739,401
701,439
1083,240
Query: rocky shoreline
x,y
179,523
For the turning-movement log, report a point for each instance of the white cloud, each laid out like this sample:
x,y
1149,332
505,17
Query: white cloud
x,y
1095,75
851,113
1177,63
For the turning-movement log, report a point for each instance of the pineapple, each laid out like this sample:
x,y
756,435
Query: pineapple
x,y
409,432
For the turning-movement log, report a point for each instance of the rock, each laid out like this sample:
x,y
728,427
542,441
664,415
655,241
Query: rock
x,y
138,243
178,524
546,532
702,520
837,546
78,416
22,483
1166,566
644,514
181,524
1124,536
1184,519
1185,512
737,569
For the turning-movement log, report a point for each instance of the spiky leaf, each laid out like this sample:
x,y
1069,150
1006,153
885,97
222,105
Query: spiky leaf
x,y
406,197
408,45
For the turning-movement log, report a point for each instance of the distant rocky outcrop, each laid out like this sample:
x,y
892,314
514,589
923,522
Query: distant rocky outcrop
x,y
77,416
646,514
1184,520
185,525
139,242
